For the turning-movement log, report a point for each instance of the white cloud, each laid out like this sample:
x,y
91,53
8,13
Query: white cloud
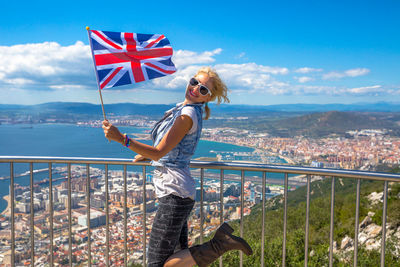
x,y
241,56
366,89
183,58
304,79
247,76
18,81
307,70
45,65
357,72
348,73
67,87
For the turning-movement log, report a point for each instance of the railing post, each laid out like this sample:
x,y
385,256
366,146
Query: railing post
x,y
241,212
263,219
69,216
12,198
383,243
332,223
201,204
32,217
144,215
51,214
221,203
125,220
357,223
107,217
285,195
88,214
307,223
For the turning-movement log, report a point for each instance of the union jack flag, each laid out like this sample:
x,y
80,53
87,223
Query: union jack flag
x,y
124,58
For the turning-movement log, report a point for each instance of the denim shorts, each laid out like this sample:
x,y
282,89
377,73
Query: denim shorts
x,y
169,229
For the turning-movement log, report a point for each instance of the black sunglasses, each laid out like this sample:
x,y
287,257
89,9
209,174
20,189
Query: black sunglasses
x,y
202,89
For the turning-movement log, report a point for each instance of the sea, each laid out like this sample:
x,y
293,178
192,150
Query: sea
x,y
70,140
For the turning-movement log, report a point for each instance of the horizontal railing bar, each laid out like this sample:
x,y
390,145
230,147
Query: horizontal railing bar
x,y
215,165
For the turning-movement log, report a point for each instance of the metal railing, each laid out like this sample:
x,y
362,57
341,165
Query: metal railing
x,y
202,165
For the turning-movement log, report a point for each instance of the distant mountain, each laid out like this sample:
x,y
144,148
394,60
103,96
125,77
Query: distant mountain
x,y
377,107
117,109
73,110
278,120
334,122
370,107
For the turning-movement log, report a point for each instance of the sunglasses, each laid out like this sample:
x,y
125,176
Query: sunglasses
x,y
202,89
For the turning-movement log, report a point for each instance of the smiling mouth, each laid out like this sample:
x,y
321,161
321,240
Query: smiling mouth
x,y
191,93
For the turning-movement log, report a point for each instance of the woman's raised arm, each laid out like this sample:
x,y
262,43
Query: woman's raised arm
x,y
181,127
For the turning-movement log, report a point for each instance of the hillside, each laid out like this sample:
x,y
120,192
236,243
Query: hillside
x,y
345,199
333,122
318,124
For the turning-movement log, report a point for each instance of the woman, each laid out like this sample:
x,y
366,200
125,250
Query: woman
x,y
175,138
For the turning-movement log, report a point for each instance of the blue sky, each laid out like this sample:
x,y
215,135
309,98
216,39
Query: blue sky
x,y
268,52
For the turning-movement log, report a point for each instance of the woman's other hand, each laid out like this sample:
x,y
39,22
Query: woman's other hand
x,y
112,133
139,157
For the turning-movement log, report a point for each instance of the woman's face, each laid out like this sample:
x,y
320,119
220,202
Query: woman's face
x,y
193,94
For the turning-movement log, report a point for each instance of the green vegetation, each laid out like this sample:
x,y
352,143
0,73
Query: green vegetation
x,y
344,220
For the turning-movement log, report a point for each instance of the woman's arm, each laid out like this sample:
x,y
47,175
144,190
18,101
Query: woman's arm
x,y
139,157
181,127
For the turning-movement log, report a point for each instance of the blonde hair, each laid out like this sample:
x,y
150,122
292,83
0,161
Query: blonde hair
x,y
219,90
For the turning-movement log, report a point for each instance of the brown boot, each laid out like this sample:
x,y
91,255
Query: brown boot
x,y
222,242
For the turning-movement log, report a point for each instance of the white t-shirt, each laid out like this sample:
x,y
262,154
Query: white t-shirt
x,y
177,181
191,112
174,181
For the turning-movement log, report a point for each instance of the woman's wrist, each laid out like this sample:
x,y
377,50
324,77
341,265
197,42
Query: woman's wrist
x,y
126,141
122,141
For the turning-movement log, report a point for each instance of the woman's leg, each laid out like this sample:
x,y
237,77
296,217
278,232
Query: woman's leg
x,y
183,239
182,258
172,213
205,254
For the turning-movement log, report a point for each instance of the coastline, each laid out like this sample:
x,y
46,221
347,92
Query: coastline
x,y
7,210
287,159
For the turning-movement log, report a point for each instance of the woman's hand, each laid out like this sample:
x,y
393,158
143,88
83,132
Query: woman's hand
x,y
139,157
112,133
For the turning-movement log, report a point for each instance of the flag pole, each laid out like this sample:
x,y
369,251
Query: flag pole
x,y
97,75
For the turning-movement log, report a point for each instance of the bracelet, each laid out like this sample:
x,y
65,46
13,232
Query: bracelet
x,y
123,141
127,141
